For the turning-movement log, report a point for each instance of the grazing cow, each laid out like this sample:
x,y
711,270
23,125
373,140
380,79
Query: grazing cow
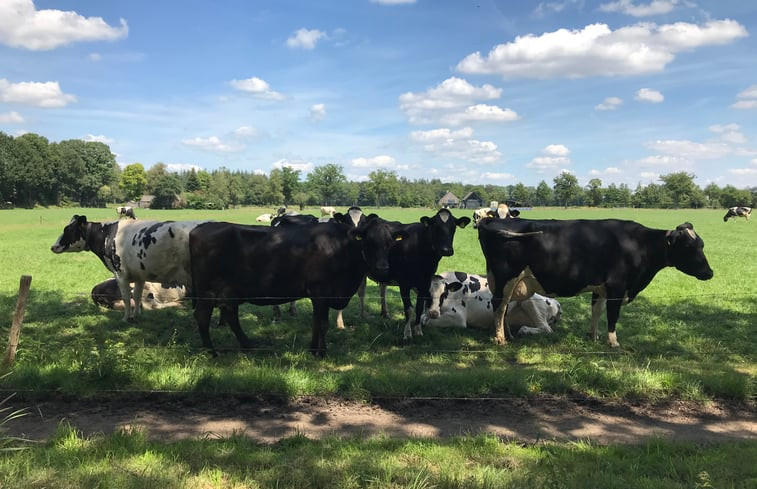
x,y
613,259
463,300
739,211
126,211
134,251
413,259
264,217
327,211
232,264
154,295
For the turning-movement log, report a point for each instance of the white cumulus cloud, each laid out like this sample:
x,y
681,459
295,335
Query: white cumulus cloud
x,y
610,103
747,99
457,144
243,132
381,161
257,87
23,26
553,156
37,94
11,118
597,50
213,144
649,95
318,112
305,38
302,166
91,138
655,7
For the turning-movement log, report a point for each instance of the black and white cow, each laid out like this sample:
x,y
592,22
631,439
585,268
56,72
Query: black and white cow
x,y
232,264
463,300
502,211
154,295
739,211
613,259
134,251
125,211
413,259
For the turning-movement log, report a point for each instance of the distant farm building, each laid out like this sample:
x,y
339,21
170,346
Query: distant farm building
x,y
471,200
449,200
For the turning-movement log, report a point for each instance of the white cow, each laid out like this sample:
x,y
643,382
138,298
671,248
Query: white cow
x,y
134,251
264,217
463,300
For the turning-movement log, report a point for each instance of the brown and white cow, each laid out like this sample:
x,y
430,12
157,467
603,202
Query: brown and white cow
x,y
739,211
463,300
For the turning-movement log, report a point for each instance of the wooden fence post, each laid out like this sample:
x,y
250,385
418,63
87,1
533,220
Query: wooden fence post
x,y
18,318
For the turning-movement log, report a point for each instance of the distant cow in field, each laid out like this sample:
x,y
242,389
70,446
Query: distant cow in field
x,y
233,264
154,295
613,259
327,211
463,300
739,211
134,251
126,211
264,217
502,211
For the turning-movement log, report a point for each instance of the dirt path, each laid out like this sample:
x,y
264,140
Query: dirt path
x,y
172,418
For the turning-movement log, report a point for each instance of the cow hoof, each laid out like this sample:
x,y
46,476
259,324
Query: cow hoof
x,y
500,340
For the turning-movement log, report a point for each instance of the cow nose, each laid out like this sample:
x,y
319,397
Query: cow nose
x,y
433,313
447,251
706,275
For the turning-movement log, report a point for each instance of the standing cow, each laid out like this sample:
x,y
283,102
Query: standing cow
x,y
464,300
232,264
739,211
134,251
414,257
613,259
125,211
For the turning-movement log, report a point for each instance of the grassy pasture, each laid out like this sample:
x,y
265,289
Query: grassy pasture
x,y
681,338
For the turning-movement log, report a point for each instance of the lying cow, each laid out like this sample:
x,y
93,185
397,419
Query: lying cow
x,y
267,217
463,300
125,211
154,295
739,211
134,251
613,259
232,264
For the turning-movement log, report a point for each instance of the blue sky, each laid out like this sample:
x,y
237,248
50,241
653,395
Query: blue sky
x,y
476,91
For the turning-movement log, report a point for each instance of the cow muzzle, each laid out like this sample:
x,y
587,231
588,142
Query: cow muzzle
x,y
433,313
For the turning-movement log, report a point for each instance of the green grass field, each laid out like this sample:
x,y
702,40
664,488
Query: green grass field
x,y
681,338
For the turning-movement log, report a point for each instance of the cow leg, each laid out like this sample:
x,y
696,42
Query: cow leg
x,y
407,306
276,313
501,329
203,311
293,308
361,296
613,313
136,294
420,308
230,313
597,305
320,326
382,293
339,319
125,288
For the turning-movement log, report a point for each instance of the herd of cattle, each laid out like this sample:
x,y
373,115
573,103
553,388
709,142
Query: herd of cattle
x,y
222,265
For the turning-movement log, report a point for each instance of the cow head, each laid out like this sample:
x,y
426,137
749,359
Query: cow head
x,y
441,228
377,237
74,237
439,291
686,252
354,216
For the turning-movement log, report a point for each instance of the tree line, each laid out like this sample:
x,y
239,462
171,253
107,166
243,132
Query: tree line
x,y
35,171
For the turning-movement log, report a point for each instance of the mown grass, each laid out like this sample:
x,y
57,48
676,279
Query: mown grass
x,y
128,459
681,338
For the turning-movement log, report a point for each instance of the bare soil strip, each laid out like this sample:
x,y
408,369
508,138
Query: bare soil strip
x,y
170,418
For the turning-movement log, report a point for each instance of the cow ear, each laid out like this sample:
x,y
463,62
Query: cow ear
x,y
81,220
461,222
454,286
514,212
426,221
372,215
338,217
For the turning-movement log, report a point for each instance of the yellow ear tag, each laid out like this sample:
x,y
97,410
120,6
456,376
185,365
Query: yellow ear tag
x,y
358,238
398,238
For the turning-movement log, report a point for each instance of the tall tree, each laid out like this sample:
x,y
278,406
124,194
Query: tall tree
x,y
566,188
33,171
383,187
680,187
326,182
290,183
594,192
543,194
166,190
133,181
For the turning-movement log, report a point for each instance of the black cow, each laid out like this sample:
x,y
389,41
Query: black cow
x,y
739,211
232,264
613,259
286,219
414,257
